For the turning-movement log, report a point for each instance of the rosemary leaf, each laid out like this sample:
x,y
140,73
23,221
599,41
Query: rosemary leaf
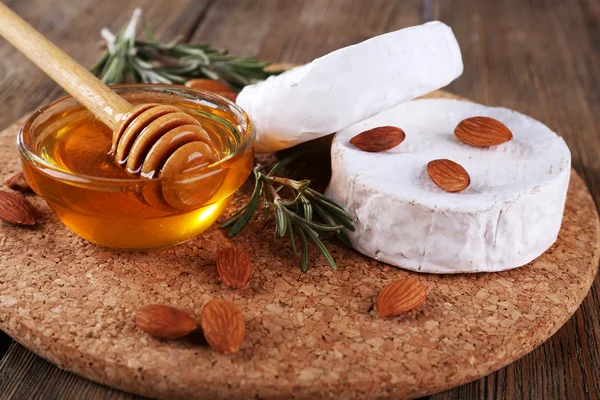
x,y
281,219
343,238
314,237
343,216
296,185
250,210
98,67
292,238
266,206
307,208
314,225
336,217
304,255
148,32
231,220
209,73
128,60
323,214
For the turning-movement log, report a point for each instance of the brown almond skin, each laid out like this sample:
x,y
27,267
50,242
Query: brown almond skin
x,y
228,95
379,139
17,182
15,208
482,132
234,267
223,326
277,68
448,175
209,85
400,296
164,322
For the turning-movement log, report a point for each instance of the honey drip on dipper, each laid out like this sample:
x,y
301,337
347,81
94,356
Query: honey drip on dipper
x,y
154,140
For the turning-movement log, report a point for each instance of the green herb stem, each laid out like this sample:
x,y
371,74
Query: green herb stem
x,y
130,60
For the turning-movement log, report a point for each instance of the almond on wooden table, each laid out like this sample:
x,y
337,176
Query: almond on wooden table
x,y
400,296
15,208
234,267
17,181
223,325
164,322
379,139
448,175
482,132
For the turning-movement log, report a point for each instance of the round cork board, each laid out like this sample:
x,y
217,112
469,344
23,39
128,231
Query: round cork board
x,y
309,335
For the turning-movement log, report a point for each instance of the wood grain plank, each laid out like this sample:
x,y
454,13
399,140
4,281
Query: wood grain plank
x,y
23,375
5,342
299,31
541,58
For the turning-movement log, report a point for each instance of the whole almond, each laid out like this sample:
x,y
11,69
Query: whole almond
x,y
228,95
234,267
164,322
277,68
448,175
15,208
17,181
400,296
209,85
379,139
482,132
223,326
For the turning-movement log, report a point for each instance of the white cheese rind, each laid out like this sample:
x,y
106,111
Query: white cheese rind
x,y
509,215
350,85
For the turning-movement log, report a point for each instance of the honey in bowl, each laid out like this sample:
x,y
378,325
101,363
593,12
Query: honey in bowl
x,y
67,159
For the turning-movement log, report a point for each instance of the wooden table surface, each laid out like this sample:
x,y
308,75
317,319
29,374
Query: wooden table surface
x,y
540,57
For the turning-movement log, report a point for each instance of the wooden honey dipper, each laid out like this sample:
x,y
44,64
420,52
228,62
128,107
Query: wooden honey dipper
x,y
149,140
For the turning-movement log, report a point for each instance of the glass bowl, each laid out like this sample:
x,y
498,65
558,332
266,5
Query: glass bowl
x,y
130,213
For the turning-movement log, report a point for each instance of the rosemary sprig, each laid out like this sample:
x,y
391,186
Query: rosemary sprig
x,y
136,61
304,213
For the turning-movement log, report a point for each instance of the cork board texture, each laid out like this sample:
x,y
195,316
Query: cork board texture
x,y
309,335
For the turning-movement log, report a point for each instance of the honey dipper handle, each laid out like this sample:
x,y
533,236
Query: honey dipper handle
x,y
94,95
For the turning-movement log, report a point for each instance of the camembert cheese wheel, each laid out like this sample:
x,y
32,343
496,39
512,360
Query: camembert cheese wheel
x,y
350,84
509,214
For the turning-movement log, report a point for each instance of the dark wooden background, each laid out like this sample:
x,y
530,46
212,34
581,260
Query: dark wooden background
x,y
540,57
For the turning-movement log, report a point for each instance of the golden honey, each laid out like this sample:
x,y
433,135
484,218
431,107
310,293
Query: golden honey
x,y
66,160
